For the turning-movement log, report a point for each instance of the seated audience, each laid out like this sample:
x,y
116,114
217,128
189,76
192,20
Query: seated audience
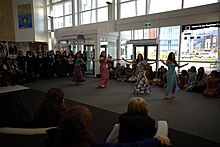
x,y
213,86
13,112
127,72
136,124
183,79
191,79
122,75
51,110
201,80
74,130
133,77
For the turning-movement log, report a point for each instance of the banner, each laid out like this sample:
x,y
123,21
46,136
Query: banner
x,y
24,16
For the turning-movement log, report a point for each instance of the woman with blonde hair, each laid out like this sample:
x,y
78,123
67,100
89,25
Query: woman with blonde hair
x,y
136,124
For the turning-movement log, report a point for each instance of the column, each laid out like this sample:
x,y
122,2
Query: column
x,y
218,64
97,53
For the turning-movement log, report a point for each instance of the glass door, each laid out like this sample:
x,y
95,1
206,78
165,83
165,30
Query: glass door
x,y
90,52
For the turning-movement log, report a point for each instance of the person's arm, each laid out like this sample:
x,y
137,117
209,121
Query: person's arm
x,y
82,61
180,66
112,60
100,59
163,62
127,60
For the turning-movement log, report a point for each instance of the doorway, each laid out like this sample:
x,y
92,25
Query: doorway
x,y
149,52
90,52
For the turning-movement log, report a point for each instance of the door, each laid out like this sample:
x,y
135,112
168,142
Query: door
x,y
149,52
90,52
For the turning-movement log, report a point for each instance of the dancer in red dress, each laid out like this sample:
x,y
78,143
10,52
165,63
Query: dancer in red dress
x,y
103,83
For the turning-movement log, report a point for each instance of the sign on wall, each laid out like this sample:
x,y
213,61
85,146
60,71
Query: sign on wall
x,y
24,16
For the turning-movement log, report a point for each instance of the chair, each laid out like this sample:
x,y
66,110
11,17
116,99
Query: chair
x,y
162,130
23,137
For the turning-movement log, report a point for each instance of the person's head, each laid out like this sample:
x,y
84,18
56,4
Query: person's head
x,y
55,96
138,105
140,57
78,54
213,73
184,72
103,54
193,69
201,70
127,65
171,56
75,127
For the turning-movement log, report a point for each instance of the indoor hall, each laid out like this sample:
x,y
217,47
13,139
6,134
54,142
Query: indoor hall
x,y
192,118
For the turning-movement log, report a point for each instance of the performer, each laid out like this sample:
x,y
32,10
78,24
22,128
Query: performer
x,y
77,72
171,76
103,83
142,85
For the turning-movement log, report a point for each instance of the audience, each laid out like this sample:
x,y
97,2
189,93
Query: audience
x,y
136,124
213,86
13,112
191,79
201,80
51,110
183,79
74,130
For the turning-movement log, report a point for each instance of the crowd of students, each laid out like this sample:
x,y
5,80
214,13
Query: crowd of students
x,y
191,80
73,127
17,68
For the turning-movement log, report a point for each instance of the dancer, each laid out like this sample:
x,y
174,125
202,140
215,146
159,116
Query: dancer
x,y
77,72
142,85
171,75
103,83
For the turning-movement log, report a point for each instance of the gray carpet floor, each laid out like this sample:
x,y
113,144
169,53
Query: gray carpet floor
x,y
189,112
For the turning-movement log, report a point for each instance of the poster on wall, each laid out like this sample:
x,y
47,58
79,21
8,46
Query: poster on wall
x,y
24,16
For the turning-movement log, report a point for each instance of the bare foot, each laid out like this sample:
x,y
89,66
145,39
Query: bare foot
x,y
168,97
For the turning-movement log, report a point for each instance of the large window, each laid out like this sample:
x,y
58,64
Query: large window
x,y
62,14
191,3
156,6
90,11
133,8
200,45
169,41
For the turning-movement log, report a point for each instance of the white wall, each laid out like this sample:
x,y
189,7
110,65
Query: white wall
x,y
22,35
38,31
201,14
40,23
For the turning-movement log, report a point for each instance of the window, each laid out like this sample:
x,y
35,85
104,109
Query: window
x,y
156,6
102,14
68,8
87,5
169,41
133,8
58,10
88,17
68,21
190,3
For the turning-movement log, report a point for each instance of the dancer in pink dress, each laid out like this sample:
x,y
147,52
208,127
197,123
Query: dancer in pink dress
x,y
103,83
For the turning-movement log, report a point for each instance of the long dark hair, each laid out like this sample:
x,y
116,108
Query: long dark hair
x,y
142,58
170,58
13,112
102,55
75,128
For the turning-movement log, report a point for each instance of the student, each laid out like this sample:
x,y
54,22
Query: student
x,y
136,124
51,110
75,130
103,83
171,75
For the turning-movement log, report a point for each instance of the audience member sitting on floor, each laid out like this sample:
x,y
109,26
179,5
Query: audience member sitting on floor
x,y
213,86
201,80
74,130
183,79
191,79
13,112
51,110
136,124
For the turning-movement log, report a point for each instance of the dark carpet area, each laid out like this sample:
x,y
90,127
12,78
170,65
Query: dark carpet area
x,y
104,120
